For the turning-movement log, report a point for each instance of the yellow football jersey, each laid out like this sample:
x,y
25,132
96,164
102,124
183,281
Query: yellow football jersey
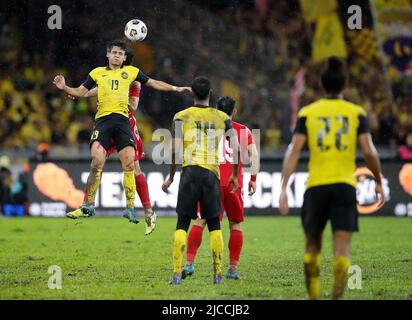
x,y
332,127
201,130
113,89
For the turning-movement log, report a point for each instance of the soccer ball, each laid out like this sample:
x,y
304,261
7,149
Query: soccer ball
x,y
135,30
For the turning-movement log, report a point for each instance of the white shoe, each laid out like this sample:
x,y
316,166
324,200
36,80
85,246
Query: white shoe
x,y
150,221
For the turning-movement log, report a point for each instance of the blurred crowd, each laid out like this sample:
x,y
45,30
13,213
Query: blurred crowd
x,y
13,190
250,51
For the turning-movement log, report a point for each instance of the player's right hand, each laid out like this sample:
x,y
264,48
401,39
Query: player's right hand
x,y
166,185
233,180
252,188
59,82
380,195
283,202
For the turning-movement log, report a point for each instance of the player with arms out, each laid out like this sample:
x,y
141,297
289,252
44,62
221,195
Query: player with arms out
x,y
197,131
112,122
332,128
140,179
232,203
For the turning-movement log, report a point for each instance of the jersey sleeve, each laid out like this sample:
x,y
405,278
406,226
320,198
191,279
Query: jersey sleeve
x,y
178,116
363,122
90,81
249,137
141,77
301,126
301,122
177,126
135,89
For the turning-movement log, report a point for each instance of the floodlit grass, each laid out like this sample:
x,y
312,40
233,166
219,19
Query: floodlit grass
x,y
109,258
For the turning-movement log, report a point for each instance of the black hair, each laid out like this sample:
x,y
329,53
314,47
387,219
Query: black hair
x,y
226,104
116,43
333,76
201,87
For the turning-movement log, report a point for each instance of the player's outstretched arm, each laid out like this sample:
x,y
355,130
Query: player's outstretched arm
x,y
91,93
254,167
163,86
290,163
177,152
176,145
60,83
371,157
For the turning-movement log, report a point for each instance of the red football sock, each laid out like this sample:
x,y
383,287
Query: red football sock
x,y
193,243
143,190
235,246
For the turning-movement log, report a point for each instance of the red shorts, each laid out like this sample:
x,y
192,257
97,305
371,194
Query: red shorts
x,y
232,203
139,144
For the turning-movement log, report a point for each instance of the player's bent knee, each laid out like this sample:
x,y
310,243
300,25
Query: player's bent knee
x,y
127,160
235,225
200,223
128,167
97,163
137,169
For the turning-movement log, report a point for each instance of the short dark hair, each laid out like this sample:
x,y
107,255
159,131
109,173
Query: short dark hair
x,y
116,43
201,87
333,76
226,104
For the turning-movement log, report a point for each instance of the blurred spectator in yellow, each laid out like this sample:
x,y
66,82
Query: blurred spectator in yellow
x,y
85,132
273,135
36,130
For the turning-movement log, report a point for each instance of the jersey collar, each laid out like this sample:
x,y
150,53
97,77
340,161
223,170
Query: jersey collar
x,y
340,96
108,68
201,106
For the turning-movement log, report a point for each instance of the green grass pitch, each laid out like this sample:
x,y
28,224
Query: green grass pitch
x,y
109,258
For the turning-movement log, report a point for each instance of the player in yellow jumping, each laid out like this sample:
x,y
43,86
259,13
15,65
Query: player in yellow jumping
x,y
112,122
332,129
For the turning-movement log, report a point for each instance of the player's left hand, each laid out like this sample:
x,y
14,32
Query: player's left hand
x,y
233,180
183,89
283,203
252,188
166,185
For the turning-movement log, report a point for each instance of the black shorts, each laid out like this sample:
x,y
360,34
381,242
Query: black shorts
x,y
198,185
336,202
113,128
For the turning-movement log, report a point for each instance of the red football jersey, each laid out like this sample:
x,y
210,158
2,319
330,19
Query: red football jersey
x,y
226,153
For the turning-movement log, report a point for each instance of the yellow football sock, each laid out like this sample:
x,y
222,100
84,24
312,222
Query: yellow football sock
x,y
216,244
340,275
93,182
179,244
129,188
312,274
